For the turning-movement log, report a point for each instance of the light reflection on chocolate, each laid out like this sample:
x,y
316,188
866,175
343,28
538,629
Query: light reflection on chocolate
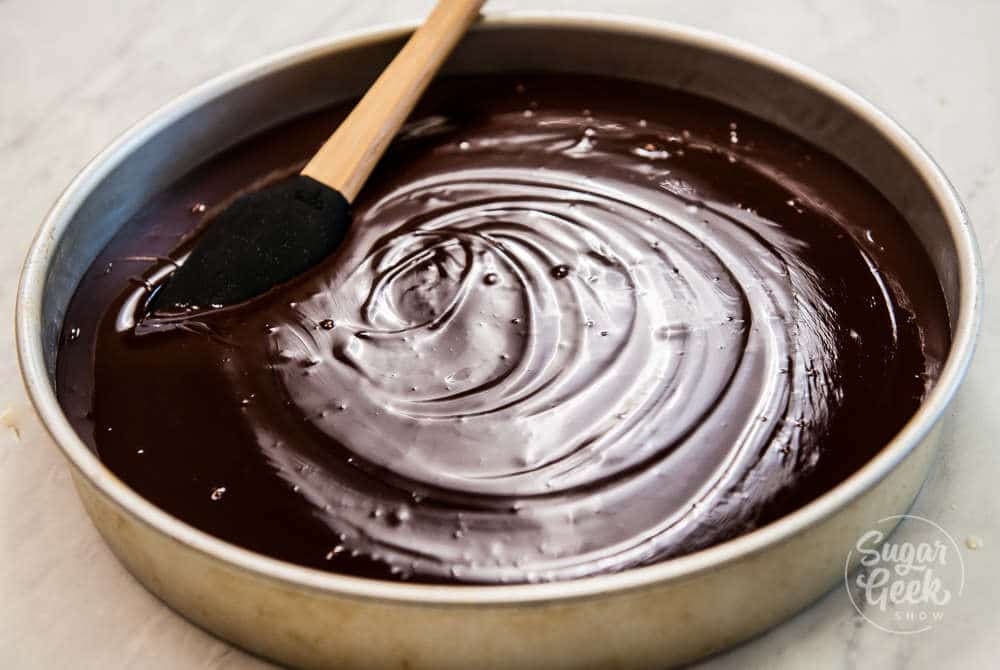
x,y
617,329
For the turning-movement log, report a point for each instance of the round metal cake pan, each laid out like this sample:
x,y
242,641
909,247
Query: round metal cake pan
x,y
664,614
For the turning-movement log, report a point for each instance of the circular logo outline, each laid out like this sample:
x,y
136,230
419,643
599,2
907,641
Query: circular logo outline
x,y
902,517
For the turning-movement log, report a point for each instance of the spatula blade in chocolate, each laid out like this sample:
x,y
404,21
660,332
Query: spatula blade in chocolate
x,y
273,235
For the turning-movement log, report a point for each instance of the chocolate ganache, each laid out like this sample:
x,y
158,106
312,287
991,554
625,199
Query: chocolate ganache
x,y
579,325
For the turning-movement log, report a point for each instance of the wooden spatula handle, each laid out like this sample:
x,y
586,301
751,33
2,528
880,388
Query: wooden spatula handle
x,y
348,157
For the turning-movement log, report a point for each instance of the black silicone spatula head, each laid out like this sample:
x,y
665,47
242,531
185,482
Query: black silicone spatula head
x,y
271,236
262,239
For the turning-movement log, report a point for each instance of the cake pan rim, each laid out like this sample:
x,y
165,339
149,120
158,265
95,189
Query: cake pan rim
x,y
29,300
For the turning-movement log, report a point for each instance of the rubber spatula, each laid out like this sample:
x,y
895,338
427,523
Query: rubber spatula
x,y
273,235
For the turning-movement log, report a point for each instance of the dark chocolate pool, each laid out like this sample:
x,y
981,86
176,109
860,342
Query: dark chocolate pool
x,y
580,325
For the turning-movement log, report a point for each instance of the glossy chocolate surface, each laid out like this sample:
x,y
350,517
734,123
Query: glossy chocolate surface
x,y
579,325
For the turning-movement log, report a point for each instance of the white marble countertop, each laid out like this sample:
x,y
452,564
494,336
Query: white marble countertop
x,y
73,75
